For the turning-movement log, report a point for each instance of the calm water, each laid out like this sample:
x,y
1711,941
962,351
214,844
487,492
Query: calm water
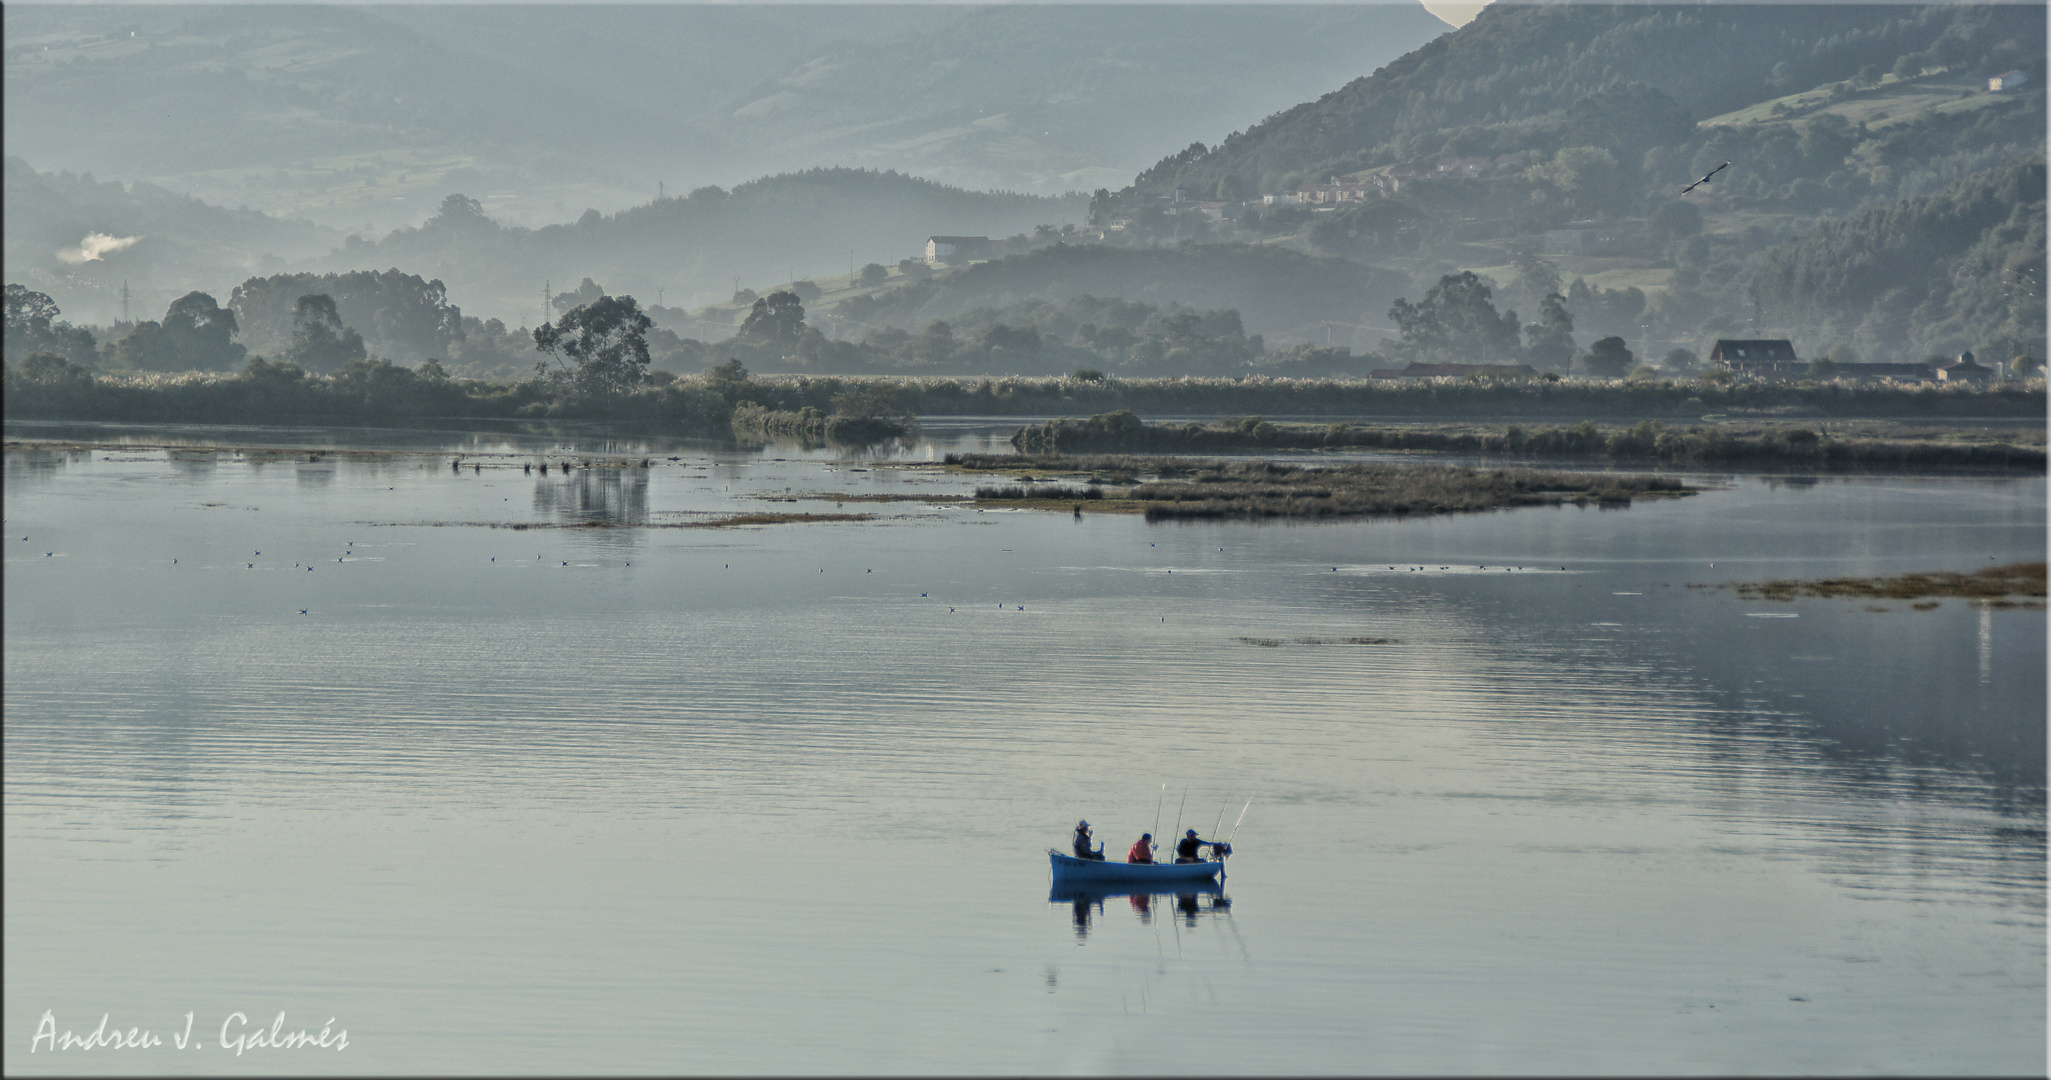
x,y
776,799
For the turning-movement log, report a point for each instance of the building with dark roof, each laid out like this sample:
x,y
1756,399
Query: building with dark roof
x,y
1964,369
1756,356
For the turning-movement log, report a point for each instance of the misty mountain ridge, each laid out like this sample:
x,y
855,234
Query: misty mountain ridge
x,y
363,118
1570,129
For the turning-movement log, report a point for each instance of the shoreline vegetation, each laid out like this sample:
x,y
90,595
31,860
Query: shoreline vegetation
x,y
1994,587
1170,489
378,392
1647,441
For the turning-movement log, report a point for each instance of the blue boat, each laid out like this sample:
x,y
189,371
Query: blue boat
x,y
1070,870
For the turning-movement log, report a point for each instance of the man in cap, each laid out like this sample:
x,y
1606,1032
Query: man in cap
x,y
1186,848
1082,844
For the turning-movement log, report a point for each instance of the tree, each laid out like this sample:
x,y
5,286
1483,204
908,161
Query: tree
x,y
585,292
1536,276
1586,175
1675,220
1681,361
599,348
728,380
874,274
1550,340
320,342
201,329
194,336
1608,358
32,326
28,309
808,291
50,369
776,320
401,316
1457,321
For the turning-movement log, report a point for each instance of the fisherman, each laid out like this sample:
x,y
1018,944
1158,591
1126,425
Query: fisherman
x,y
1082,844
1186,848
1142,849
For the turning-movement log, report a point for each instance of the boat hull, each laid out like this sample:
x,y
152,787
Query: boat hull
x,y
1070,870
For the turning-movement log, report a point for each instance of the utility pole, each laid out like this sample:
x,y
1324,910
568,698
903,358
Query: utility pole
x,y
124,299
658,191
545,289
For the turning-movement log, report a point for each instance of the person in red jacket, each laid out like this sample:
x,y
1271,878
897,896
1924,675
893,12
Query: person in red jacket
x,y
1142,849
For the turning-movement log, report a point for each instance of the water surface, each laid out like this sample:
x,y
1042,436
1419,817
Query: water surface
x,y
625,798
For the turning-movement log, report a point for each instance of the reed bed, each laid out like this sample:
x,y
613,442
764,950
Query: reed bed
x,y
1648,441
1196,489
2014,585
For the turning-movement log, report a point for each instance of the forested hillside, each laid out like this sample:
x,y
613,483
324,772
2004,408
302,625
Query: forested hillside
x,y
1963,266
697,247
1275,290
1546,147
1539,77
362,117
83,238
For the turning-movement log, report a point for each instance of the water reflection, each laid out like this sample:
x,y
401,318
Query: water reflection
x,y
1191,900
600,494
38,465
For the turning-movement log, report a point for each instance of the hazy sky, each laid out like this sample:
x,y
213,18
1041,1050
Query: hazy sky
x,y
1457,14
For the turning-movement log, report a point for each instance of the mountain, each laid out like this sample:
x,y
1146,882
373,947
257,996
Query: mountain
x,y
1060,97
697,248
1547,147
81,239
1961,268
1285,295
363,117
1537,77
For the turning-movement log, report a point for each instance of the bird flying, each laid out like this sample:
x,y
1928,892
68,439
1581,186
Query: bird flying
x,y
1705,179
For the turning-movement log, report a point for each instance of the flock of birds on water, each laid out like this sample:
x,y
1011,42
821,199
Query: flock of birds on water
x,y
528,468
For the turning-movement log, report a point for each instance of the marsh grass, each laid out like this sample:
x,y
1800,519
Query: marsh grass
x,y
1752,444
1994,587
1196,488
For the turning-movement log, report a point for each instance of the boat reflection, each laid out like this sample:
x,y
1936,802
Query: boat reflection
x,y
1191,901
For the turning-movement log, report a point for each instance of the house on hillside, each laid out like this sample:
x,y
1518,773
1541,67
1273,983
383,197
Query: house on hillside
x,y
956,249
1341,189
1454,371
1463,166
2007,80
1964,369
1585,238
1756,356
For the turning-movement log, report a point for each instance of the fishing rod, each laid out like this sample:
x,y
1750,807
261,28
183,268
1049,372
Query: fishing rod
x,y
1178,811
1222,807
1157,808
1242,819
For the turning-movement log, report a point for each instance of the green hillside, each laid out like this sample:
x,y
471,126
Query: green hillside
x,y
1961,268
1285,295
695,248
1539,77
